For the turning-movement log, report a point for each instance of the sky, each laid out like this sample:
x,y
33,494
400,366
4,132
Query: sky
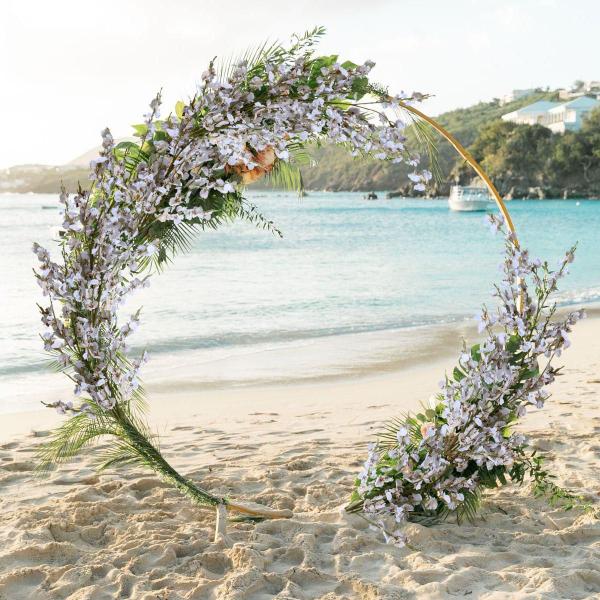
x,y
68,68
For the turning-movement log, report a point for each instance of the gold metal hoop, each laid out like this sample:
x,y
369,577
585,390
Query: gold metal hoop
x,y
469,159
478,169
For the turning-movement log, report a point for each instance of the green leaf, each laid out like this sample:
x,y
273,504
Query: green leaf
x,y
318,64
458,374
325,61
147,147
476,352
348,64
360,87
513,343
126,146
130,153
355,496
286,176
140,130
160,136
67,441
342,104
530,373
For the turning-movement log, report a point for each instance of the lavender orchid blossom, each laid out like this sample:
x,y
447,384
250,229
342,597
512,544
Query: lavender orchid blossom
x,y
427,466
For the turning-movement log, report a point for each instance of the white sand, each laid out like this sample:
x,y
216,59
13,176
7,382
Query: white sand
x,y
81,535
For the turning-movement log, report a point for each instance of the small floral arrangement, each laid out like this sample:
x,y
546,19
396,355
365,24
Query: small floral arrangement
x,y
436,463
148,198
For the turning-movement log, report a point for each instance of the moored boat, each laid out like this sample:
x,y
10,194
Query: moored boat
x,y
469,198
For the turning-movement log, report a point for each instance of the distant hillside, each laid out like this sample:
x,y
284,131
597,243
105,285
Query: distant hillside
x,y
465,123
336,170
524,161
42,178
46,179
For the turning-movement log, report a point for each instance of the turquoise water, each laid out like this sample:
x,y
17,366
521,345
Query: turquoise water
x,y
344,267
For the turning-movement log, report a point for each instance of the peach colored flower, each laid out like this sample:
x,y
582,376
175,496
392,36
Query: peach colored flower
x,y
265,160
427,430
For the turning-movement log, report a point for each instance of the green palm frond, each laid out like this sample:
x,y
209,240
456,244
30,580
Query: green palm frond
x,y
388,438
120,453
300,154
73,435
250,212
138,400
251,57
57,367
492,478
469,507
274,51
426,138
286,176
173,239
131,439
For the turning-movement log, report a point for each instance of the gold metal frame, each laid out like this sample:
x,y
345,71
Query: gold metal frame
x,y
469,159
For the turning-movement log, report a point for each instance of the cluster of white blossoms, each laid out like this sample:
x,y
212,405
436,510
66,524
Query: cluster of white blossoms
x,y
189,168
440,459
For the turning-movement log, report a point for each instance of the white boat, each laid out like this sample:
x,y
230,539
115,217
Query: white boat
x,y
464,198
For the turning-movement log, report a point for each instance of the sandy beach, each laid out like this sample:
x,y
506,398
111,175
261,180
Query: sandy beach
x,y
82,535
317,293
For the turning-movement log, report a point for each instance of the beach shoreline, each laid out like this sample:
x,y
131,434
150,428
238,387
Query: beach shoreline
x,y
354,357
82,535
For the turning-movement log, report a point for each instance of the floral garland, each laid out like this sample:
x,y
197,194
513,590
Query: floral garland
x,y
186,173
429,465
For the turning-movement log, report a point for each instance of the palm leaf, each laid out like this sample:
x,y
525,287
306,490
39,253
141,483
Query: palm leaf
x,y
388,438
286,176
425,137
270,51
469,507
73,435
120,453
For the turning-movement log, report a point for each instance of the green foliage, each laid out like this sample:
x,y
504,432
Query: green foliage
x,y
286,176
466,123
528,464
517,159
70,438
522,160
130,154
520,157
544,486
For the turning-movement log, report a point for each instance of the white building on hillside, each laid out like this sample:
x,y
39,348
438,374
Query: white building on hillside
x,y
557,116
569,116
584,88
515,95
531,114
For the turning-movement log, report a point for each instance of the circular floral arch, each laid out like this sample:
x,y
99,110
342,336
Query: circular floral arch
x,y
187,172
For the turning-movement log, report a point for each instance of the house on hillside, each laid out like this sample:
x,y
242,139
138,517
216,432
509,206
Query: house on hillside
x,y
531,114
570,115
557,116
581,88
515,95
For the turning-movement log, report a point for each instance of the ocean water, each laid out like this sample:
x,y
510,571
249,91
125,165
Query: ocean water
x,y
352,283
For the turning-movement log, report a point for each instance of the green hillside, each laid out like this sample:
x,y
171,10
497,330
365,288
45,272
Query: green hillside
x,y
523,160
336,171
